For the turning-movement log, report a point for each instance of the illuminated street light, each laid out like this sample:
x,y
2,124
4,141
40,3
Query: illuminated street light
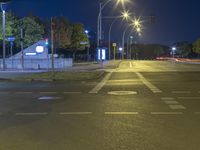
x,y
173,51
136,22
99,23
125,15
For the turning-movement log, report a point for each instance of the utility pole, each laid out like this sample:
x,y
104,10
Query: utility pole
x,y
52,47
22,47
4,37
114,46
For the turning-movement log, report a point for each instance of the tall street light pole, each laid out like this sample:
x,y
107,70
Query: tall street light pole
x,y
123,41
2,3
52,49
4,38
4,34
110,29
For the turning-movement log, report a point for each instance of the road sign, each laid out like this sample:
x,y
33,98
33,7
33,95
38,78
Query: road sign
x,y
11,38
114,44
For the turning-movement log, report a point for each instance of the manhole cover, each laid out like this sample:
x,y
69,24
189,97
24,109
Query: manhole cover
x,y
122,93
48,98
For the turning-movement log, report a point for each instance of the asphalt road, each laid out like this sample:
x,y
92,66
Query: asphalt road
x,y
139,106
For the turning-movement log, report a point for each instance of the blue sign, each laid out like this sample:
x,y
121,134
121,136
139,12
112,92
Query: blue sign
x,y
11,39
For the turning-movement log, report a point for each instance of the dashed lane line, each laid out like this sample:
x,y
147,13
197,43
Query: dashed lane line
x,y
167,98
167,113
23,92
121,113
31,114
72,92
100,85
189,98
177,107
48,92
169,102
197,113
152,87
75,113
181,92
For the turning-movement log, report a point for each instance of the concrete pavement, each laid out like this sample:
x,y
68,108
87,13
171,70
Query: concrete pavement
x,y
138,106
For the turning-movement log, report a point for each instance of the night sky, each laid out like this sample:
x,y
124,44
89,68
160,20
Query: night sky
x,y
177,20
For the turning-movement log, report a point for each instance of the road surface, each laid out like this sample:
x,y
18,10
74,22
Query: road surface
x,y
141,105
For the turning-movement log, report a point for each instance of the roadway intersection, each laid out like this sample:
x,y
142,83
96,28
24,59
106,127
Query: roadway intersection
x,y
138,106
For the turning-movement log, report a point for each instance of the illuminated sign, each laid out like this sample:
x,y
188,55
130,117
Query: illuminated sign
x,y
39,49
103,55
30,54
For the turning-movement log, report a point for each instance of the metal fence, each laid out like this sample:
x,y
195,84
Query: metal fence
x,y
59,63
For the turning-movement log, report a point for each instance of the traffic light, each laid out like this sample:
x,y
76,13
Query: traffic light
x,y
152,19
46,41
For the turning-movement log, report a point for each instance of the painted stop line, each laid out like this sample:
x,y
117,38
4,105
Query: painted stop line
x,y
122,93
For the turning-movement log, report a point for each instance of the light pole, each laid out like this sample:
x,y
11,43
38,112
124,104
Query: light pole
x,y
99,20
4,35
52,48
125,15
2,3
88,50
173,51
128,42
123,41
109,39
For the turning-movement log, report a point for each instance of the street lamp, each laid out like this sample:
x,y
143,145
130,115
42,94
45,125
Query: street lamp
x,y
3,3
173,51
138,29
99,20
125,15
88,53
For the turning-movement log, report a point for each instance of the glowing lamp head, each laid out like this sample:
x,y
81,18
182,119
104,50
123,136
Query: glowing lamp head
x,y
86,31
174,48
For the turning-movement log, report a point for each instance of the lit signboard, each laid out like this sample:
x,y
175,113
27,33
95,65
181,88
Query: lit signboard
x,y
40,49
101,54
30,54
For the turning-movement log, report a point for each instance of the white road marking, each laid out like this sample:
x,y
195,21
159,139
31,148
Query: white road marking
x,y
4,92
181,92
177,107
24,92
197,113
152,87
190,98
121,113
169,102
167,113
48,92
124,80
121,93
31,114
72,92
131,66
75,113
167,98
48,98
100,85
